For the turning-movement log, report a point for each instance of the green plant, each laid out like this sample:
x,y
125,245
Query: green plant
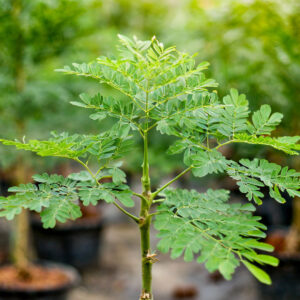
x,y
36,35
33,34
164,90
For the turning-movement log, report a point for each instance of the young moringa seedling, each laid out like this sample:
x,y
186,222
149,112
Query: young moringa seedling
x,y
164,90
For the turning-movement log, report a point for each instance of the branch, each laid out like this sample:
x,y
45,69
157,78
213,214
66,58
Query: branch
x,y
291,148
158,201
171,181
136,219
226,143
139,195
87,168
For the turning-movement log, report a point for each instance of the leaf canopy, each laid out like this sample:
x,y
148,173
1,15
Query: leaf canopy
x,y
164,89
219,234
107,145
57,198
147,74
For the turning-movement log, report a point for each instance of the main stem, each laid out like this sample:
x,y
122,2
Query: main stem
x,y
146,258
145,222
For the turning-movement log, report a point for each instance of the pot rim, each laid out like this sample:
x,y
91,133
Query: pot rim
x,y
69,271
284,256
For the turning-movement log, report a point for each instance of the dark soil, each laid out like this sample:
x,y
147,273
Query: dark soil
x,y
185,292
41,278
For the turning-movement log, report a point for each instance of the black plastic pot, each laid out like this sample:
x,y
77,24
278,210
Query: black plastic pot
x,y
77,244
285,280
58,293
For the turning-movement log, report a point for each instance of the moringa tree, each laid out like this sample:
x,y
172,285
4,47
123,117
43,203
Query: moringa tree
x,y
164,90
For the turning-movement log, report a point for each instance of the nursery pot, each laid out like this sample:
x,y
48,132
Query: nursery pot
x,y
285,277
75,243
49,282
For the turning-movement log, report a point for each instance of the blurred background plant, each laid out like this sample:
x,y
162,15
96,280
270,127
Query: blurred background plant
x,y
35,37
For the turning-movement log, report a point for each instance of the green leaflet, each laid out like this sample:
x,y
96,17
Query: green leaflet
x,y
227,122
91,194
81,176
207,162
178,147
125,197
261,275
263,258
197,112
118,176
57,198
107,145
285,144
263,121
10,207
235,114
251,175
60,209
61,148
208,227
114,107
46,178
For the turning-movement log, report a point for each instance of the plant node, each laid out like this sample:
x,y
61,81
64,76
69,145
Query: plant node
x,y
142,221
145,296
151,257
